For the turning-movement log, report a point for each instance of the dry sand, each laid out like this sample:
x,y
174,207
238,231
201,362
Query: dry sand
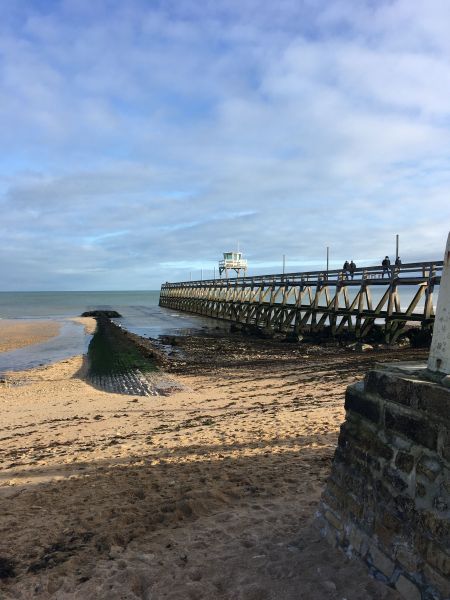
x,y
208,493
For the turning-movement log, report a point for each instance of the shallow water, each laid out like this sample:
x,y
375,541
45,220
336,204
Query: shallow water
x,y
71,341
140,314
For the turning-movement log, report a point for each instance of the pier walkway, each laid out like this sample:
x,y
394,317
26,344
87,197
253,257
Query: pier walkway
x,y
317,301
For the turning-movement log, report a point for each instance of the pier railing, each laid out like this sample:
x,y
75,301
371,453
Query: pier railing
x,y
312,301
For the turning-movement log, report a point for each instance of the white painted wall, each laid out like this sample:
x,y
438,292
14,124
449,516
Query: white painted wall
x,y
439,359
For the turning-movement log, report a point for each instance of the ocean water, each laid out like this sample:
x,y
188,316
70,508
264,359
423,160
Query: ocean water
x,y
140,314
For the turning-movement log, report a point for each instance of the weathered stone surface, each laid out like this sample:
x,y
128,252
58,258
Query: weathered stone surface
x,y
363,437
363,405
394,477
424,395
408,589
108,314
418,430
445,450
407,558
421,490
386,500
437,581
404,461
358,540
381,562
429,467
438,558
434,399
390,387
436,527
333,520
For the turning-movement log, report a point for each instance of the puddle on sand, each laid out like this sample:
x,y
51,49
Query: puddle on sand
x,y
72,340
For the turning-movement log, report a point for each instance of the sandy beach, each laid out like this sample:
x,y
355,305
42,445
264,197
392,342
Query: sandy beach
x,y
209,492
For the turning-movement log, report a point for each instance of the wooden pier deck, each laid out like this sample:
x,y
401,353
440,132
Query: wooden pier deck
x,y
317,301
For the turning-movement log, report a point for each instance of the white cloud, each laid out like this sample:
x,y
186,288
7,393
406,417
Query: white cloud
x,y
286,126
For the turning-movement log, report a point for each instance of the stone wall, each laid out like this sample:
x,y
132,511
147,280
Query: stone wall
x,y
387,500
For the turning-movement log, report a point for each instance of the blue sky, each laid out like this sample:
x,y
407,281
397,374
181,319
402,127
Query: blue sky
x,y
142,139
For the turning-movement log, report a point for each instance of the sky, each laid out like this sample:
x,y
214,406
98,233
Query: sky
x,y
142,139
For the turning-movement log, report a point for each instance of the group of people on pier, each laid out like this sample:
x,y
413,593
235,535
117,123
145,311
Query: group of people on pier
x,y
386,264
349,268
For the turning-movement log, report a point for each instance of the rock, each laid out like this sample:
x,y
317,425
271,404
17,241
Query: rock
x,y
329,586
109,314
115,551
359,347
445,381
7,568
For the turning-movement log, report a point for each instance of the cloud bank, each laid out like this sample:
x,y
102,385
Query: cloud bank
x,y
141,140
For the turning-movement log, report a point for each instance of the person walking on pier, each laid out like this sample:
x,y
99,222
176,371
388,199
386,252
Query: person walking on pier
x,y
345,270
386,266
352,269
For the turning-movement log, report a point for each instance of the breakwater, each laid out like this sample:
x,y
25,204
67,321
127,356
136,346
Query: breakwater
x,y
122,362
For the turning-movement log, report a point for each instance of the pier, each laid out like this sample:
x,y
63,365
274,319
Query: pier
x,y
315,302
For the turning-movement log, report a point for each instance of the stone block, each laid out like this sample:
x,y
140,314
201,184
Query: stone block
x,y
439,559
441,503
399,442
390,386
404,461
358,540
388,527
405,508
381,561
383,492
445,450
445,485
436,527
421,490
408,589
407,558
330,536
384,535
420,431
357,401
394,478
428,396
333,520
437,581
334,497
369,441
434,399
429,467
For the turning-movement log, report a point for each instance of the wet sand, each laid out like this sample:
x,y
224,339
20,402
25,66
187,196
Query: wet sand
x,y
16,334
208,493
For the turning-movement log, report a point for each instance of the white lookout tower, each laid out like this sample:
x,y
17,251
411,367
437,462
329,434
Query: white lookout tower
x,y
232,261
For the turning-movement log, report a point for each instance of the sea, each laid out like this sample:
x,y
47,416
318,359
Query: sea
x,y
140,314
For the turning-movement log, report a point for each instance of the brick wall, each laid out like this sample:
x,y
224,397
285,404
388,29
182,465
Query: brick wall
x,y
387,500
